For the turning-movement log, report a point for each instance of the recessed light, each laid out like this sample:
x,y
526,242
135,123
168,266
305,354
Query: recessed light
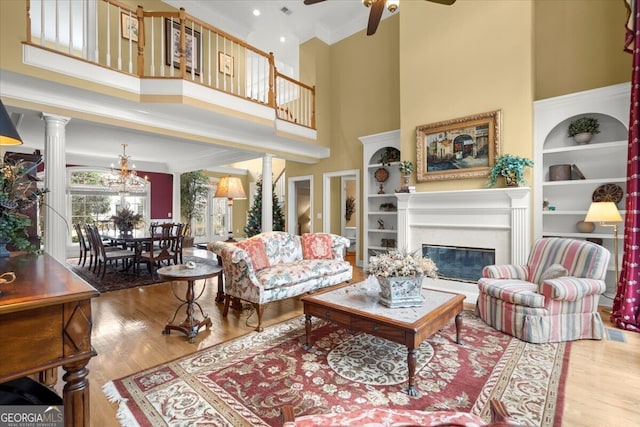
x,y
256,12
282,39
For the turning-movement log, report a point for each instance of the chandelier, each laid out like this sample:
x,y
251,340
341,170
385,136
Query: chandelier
x,y
124,180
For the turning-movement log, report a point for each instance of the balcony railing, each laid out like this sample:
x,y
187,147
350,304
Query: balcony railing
x,y
167,45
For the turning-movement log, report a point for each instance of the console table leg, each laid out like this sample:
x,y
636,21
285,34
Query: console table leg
x,y
75,394
307,328
411,363
458,327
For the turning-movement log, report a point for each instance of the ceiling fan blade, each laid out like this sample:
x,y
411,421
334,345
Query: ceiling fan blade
x,y
445,2
309,2
374,16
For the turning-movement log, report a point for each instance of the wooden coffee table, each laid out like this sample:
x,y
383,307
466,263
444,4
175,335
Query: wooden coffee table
x,y
357,307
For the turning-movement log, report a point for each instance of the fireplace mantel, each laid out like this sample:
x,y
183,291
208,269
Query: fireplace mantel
x,y
497,218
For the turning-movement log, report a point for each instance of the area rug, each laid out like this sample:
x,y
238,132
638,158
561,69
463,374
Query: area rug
x,y
115,280
245,382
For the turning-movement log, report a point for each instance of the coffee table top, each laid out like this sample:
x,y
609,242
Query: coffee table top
x,y
363,297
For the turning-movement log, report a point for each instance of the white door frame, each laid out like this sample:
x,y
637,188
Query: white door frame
x,y
326,201
292,201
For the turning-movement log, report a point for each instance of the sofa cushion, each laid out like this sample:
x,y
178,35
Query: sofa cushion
x,y
255,249
553,272
291,274
316,246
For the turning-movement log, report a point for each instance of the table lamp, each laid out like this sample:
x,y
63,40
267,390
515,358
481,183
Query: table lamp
x,y
607,215
230,187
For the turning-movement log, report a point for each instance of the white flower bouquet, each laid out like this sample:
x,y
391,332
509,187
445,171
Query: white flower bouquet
x,y
396,263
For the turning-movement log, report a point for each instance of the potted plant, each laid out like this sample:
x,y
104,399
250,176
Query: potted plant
x,y
511,167
389,155
406,169
16,196
582,129
126,220
194,190
400,275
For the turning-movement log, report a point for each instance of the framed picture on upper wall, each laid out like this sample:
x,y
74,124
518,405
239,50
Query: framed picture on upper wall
x,y
465,147
172,49
129,26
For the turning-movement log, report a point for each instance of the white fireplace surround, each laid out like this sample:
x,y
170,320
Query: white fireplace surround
x,y
497,218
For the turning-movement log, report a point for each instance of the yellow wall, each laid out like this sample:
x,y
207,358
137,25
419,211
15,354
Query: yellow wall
x,y
456,61
358,94
578,46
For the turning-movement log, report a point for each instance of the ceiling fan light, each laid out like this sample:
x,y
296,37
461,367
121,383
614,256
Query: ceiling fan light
x,y
392,5
368,3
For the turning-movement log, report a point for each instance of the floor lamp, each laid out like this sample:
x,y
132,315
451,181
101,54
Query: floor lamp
x,y
230,187
607,215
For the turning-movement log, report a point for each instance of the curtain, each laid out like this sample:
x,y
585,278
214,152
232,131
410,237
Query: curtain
x,y
626,305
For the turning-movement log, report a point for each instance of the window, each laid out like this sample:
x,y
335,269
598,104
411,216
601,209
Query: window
x,y
93,203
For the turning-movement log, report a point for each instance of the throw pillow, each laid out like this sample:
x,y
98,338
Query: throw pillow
x,y
255,249
316,246
553,272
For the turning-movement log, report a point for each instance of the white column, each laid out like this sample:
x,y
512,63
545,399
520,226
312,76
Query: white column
x,y
267,193
56,229
520,235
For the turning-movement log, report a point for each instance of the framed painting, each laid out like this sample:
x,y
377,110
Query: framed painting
x,y
129,26
465,147
225,64
172,46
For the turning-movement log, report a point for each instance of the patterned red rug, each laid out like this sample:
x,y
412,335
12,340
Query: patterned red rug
x,y
244,382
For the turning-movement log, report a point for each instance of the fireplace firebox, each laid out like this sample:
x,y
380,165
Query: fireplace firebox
x,y
459,263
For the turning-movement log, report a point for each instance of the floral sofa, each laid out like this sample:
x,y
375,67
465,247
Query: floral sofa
x,y
277,265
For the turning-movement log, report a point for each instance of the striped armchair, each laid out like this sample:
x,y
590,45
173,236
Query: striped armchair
x,y
554,297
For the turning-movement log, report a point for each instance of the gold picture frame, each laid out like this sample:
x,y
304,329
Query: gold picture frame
x,y
225,64
461,148
129,26
172,46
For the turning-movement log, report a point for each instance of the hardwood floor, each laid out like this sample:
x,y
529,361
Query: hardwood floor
x,y
603,383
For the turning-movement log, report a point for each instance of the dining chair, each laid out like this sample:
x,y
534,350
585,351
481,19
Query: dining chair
x,y
161,247
82,243
105,257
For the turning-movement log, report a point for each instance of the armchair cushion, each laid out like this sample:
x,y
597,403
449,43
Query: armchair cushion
x,y
553,272
506,271
316,246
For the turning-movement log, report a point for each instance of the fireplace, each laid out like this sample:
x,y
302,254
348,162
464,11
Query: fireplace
x,y
459,263
496,219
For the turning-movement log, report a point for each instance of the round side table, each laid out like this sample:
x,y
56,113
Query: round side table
x,y
190,326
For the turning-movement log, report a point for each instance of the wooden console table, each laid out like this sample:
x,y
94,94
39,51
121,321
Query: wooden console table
x,y
45,322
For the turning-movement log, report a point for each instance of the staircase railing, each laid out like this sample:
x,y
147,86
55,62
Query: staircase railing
x,y
167,45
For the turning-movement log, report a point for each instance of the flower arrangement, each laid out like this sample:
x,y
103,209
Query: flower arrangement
x,y
125,219
511,167
406,167
401,263
16,196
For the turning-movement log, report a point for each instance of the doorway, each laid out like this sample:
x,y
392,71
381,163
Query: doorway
x,y
300,205
337,188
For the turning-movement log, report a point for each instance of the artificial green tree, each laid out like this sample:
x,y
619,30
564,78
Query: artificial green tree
x,y
254,224
194,190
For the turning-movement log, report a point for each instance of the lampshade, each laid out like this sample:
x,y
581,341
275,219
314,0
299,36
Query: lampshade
x,y
230,187
8,133
603,212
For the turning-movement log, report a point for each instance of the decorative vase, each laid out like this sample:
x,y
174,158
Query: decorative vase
x,y
511,181
401,291
4,253
125,229
582,138
405,184
585,226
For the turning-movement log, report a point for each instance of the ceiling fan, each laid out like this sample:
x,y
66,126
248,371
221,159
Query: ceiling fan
x,y
377,7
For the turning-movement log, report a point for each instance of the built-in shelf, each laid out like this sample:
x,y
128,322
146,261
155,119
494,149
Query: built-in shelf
x,y
602,161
